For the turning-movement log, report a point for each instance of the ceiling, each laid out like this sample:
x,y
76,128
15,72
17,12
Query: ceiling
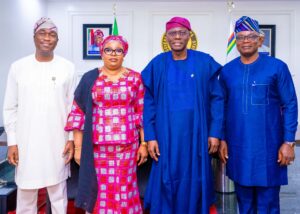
x,y
113,1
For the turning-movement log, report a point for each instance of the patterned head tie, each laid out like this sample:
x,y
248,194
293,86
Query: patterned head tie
x,y
246,23
98,32
178,22
44,23
120,39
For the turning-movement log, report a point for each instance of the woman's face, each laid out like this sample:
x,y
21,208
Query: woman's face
x,y
113,55
98,40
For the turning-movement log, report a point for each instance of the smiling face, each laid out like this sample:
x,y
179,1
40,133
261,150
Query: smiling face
x,y
113,55
248,42
45,41
178,38
98,40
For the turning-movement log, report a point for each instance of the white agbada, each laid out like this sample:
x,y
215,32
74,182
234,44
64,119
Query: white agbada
x,y
37,101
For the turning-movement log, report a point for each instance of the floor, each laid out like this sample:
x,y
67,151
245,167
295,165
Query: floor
x,y
226,203
289,196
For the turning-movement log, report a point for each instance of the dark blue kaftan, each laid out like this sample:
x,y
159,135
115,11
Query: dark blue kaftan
x,y
183,105
261,113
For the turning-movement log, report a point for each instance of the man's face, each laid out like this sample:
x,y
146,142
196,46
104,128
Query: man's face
x,y
178,38
45,41
248,42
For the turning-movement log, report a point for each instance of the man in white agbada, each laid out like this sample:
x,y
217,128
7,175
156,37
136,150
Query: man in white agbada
x,y
38,97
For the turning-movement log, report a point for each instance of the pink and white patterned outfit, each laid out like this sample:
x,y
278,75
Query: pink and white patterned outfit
x,y
117,116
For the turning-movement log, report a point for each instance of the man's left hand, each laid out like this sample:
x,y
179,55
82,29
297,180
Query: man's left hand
x,y
68,151
213,145
223,151
286,155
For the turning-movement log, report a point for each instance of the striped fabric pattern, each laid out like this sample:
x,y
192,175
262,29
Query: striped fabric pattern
x,y
44,23
246,23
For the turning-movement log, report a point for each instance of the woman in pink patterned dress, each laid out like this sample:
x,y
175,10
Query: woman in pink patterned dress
x,y
106,120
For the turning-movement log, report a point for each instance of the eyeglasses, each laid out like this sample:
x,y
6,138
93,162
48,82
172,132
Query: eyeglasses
x,y
251,37
109,51
182,33
43,34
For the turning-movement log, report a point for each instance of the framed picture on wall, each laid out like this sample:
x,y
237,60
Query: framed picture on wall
x,y
93,35
268,47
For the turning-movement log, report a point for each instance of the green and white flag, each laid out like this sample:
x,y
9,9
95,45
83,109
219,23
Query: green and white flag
x,y
115,31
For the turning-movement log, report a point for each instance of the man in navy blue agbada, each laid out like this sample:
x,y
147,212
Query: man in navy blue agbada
x,y
183,114
260,122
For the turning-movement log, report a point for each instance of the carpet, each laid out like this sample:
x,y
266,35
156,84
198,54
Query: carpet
x,y
42,202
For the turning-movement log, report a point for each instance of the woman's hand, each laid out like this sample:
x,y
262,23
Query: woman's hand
x,y
142,154
77,155
78,135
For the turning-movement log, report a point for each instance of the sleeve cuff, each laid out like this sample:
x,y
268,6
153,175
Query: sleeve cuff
x,y
149,133
138,121
70,136
216,132
289,136
11,139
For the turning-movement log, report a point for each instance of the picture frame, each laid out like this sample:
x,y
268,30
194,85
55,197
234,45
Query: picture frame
x,y
93,35
268,46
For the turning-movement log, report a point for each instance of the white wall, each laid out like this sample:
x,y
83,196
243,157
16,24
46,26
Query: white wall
x,y
143,24
17,18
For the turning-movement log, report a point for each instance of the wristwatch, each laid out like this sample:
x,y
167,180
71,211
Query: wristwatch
x,y
291,144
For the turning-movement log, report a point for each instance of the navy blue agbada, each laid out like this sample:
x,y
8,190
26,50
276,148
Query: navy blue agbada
x,y
183,106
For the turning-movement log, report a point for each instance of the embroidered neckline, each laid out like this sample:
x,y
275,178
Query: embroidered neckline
x,y
104,77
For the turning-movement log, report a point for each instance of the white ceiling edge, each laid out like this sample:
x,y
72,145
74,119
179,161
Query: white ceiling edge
x,y
163,0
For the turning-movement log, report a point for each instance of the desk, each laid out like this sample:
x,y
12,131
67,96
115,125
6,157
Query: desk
x,y
8,188
8,196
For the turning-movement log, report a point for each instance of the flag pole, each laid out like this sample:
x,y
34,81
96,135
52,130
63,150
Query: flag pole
x,y
115,31
114,9
223,183
230,6
231,51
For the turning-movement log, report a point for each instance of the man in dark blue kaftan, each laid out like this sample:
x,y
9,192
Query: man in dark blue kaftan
x,y
261,121
183,116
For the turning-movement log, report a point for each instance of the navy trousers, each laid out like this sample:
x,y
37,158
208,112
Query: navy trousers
x,y
258,200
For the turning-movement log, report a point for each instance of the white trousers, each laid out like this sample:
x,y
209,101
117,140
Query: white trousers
x,y
27,199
